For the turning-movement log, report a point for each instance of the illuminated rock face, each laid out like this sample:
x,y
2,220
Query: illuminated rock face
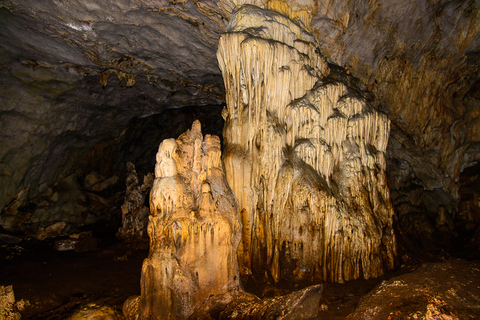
x,y
193,227
304,155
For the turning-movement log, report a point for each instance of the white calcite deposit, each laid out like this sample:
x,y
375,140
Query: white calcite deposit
x,y
305,156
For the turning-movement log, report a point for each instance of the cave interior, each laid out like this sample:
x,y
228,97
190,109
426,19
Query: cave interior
x,y
89,90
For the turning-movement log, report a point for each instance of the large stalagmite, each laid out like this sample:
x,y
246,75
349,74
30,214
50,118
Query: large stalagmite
x,y
193,227
304,155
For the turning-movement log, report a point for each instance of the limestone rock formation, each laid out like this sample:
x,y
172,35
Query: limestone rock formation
x,y
193,227
11,216
134,212
304,155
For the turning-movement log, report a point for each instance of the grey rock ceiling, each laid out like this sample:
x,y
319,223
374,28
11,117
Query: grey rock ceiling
x,y
74,73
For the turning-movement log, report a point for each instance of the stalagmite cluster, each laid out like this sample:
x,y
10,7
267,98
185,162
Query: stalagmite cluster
x,y
193,227
304,155
134,212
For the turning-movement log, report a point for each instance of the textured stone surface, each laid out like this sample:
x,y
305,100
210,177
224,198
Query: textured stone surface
x,y
420,59
193,227
131,308
301,304
305,156
96,189
8,306
447,290
75,90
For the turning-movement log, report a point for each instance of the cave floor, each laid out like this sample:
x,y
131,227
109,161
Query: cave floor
x,y
52,284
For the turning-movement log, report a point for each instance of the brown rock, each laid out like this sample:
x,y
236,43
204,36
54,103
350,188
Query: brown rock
x,y
95,311
298,305
130,308
11,217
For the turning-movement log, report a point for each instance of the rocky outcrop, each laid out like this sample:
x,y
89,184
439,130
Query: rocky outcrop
x,y
193,227
95,311
305,156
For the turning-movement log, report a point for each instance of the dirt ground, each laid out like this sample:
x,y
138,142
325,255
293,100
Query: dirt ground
x,y
53,284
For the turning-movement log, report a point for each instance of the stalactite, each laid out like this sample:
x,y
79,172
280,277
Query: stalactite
x,y
304,158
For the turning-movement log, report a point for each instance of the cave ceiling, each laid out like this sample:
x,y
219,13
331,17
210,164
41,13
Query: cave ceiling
x,y
75,72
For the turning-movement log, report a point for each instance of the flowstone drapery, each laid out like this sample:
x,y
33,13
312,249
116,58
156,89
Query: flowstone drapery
x,y
193,227
305,156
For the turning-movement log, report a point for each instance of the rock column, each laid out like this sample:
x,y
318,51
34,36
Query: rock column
x,y
304,154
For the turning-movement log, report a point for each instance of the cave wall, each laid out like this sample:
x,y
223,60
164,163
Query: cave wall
x,y
68,93
92,187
